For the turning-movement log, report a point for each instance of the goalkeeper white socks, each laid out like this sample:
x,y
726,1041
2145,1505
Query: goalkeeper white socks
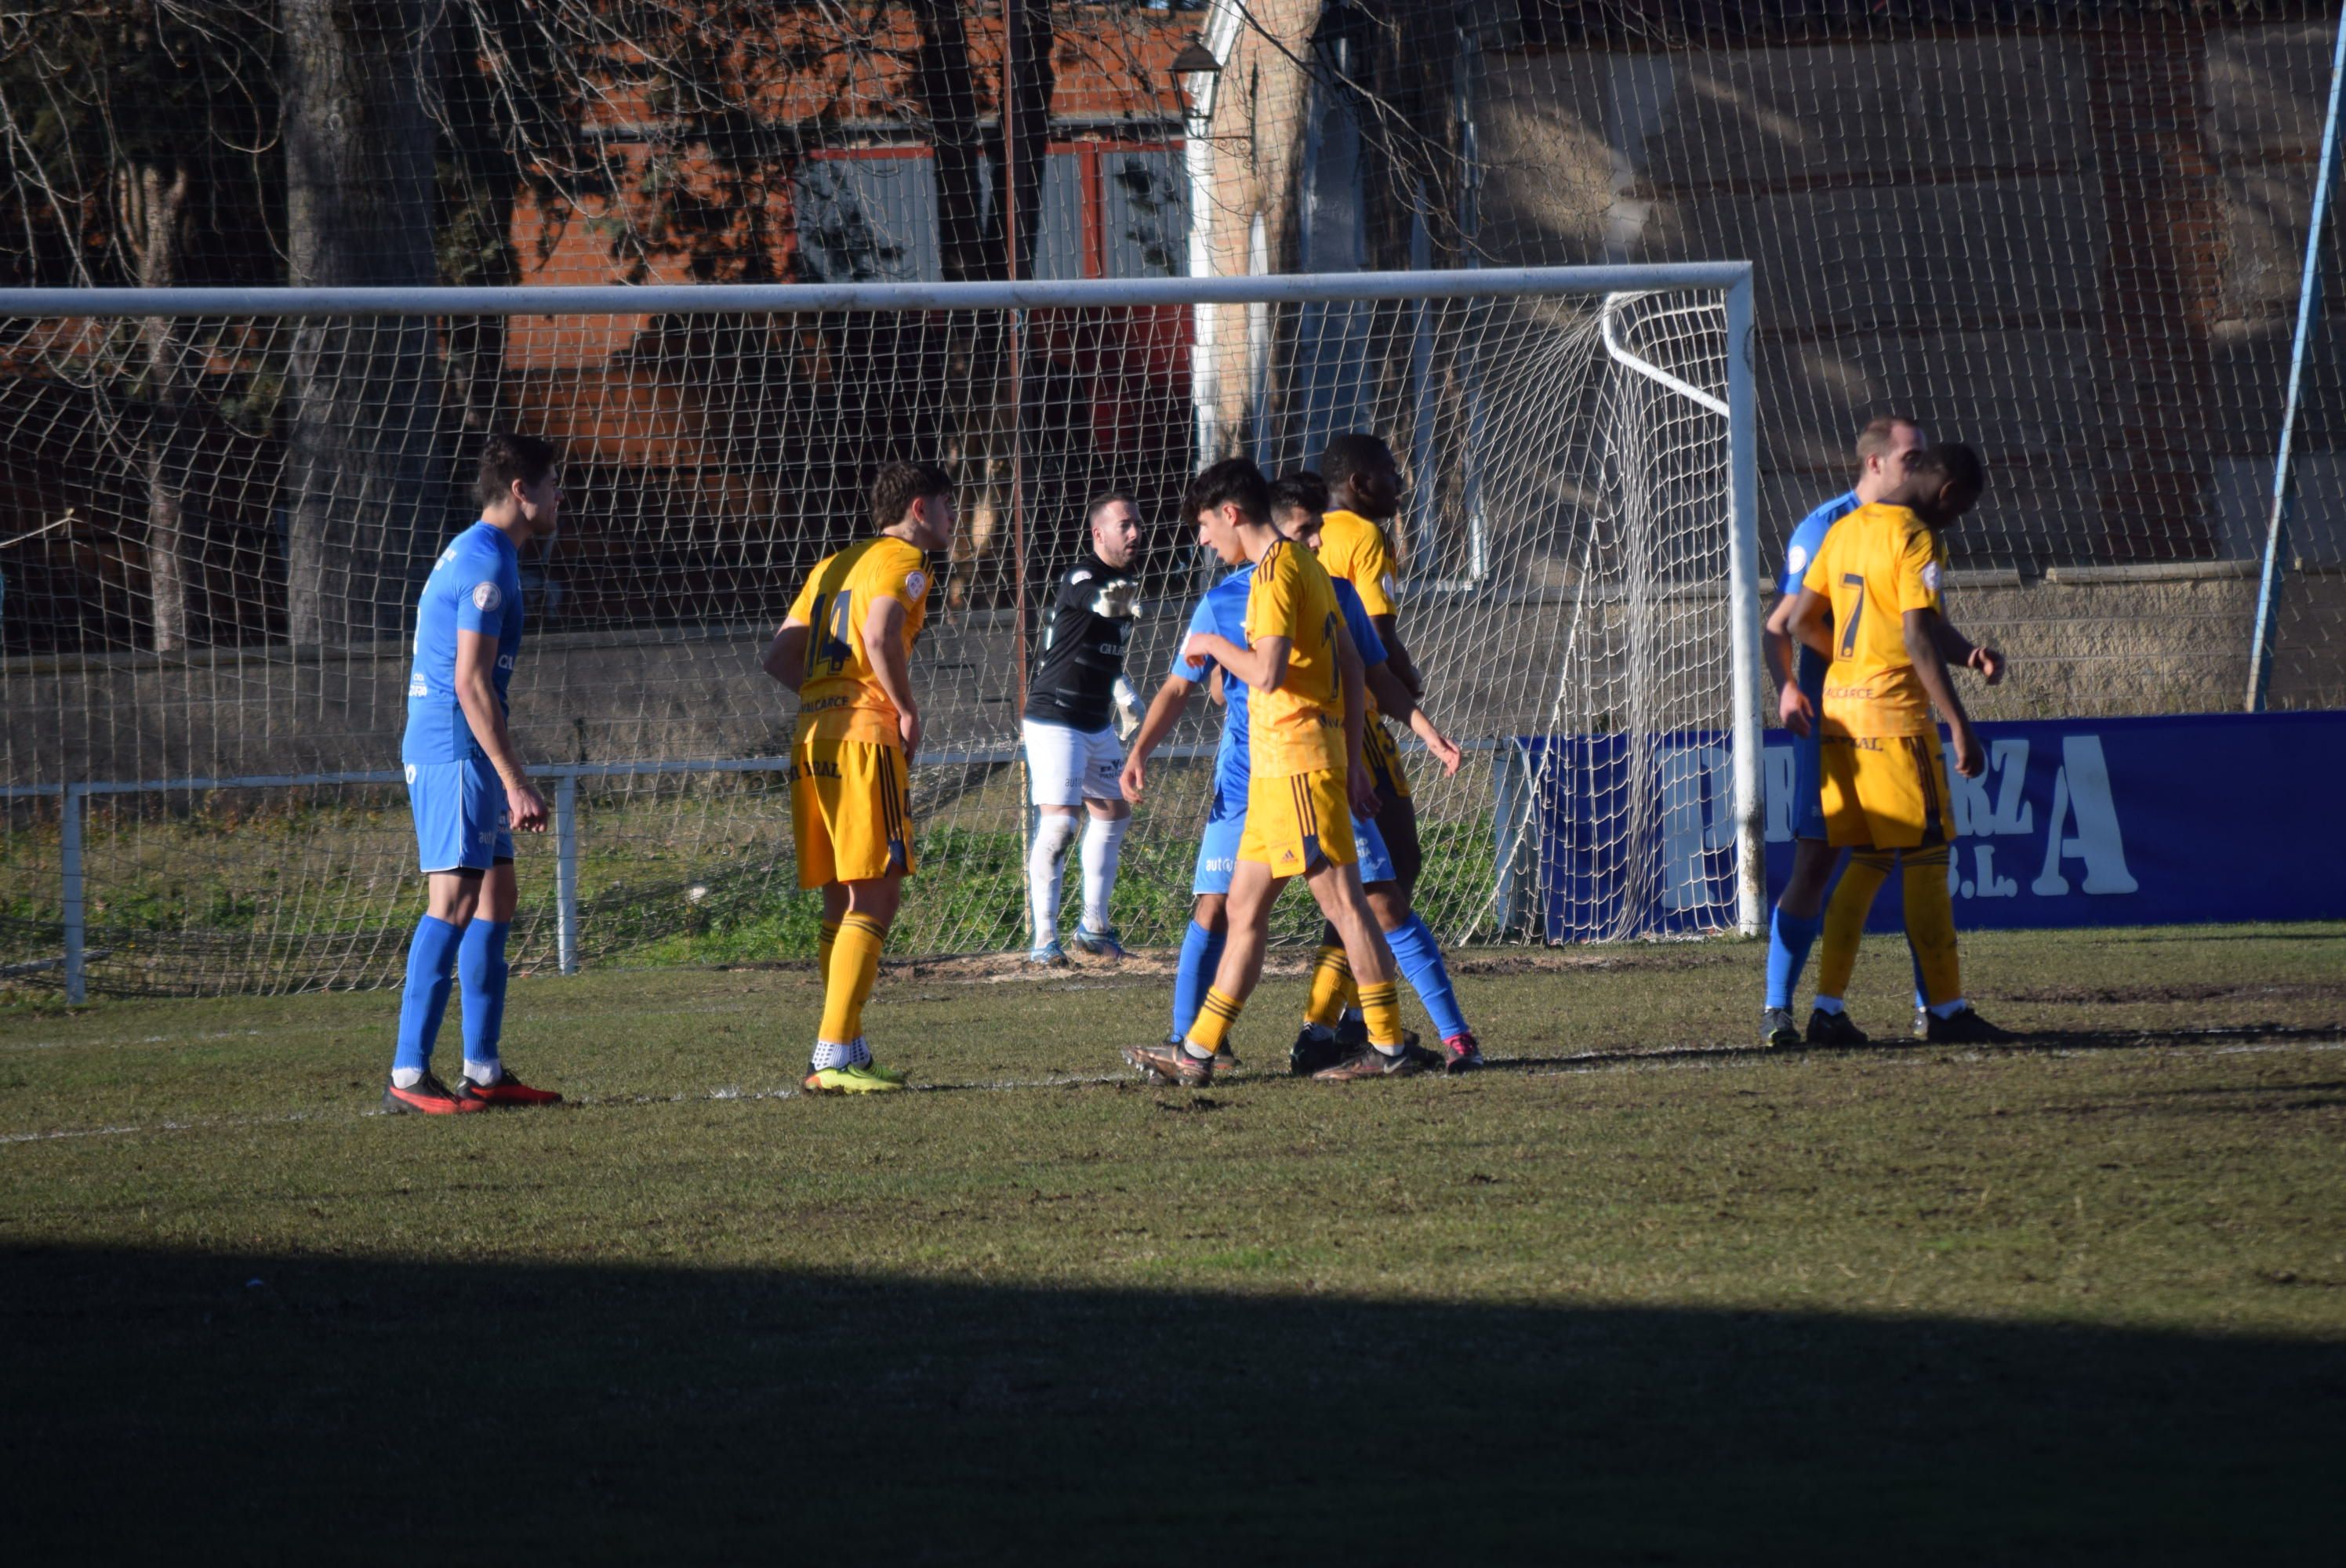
x,y
1103,846
1052,834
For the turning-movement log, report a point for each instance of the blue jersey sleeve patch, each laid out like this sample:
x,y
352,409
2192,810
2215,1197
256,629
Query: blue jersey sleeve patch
x,y
1809,537
1201,619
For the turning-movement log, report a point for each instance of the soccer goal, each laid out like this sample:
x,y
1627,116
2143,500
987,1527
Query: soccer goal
x,y
219,506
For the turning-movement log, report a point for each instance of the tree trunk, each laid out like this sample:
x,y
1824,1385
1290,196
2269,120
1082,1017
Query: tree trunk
x,y
153,204
948,91
978,419
361,458
1026,118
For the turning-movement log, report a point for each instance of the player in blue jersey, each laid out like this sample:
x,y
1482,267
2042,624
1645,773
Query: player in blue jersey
x,y
1222,611
1800,914
465,783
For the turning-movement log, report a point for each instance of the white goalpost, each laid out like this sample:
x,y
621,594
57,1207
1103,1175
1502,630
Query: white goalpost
x,y
226,499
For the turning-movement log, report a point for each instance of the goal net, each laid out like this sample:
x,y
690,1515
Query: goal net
x,y
230,500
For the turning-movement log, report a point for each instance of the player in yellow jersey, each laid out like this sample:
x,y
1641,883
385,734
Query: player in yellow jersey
x,y
1364,497
1353,543
1876,579
844,648
1299,505
1306,706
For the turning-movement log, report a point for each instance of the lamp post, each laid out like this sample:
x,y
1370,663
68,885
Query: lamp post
x,y
1196,64
1194,60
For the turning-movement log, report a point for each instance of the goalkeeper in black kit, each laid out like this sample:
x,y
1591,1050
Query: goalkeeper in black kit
x,y
1075,700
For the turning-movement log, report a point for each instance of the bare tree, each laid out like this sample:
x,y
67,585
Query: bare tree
x,y
151,206
360,451
121,120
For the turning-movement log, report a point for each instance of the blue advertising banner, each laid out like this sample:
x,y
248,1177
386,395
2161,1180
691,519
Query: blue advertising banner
x,y
2075,822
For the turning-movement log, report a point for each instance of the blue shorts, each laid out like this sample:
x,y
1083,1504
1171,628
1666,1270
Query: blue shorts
x,y
1808,786
461,823
1375,861
1217,853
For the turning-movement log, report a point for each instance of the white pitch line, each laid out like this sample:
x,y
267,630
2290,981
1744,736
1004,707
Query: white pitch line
x,y
142,1040
1707,1058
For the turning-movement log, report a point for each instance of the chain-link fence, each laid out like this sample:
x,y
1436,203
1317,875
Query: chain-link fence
x,y
2072,236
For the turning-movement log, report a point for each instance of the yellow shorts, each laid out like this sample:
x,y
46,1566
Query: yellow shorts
x,y
851,811
1383,758
1298,821
1887,791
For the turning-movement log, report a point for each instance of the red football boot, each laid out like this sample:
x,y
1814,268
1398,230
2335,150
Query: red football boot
x,y
427,1097
507,1093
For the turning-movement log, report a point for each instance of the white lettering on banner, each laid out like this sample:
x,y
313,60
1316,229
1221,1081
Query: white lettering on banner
x,y
1697,818
2083,824
2082,790
2008,768
1984,883
1776,766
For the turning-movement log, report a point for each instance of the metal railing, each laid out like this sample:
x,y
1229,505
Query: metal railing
x,y
77,957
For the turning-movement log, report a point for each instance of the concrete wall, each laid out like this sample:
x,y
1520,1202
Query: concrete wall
x,y
2106,641
2077,250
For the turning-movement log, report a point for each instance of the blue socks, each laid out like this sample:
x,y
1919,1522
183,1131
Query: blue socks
x,y
481,966
1789,937
1421,963
1201,953
431,958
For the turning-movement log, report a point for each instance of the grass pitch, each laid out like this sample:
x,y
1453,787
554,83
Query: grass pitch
x,y
1641,1292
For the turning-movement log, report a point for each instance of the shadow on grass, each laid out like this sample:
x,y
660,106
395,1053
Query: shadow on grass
x,y
261,1408
2035,1040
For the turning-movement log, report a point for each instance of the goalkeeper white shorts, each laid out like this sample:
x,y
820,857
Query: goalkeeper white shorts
x,y
1066,767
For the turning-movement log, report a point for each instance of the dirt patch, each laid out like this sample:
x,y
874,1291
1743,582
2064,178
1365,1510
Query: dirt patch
x,y
2116,996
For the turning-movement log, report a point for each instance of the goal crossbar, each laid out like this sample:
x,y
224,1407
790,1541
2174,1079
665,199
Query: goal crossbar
x,y
1719,415
723,299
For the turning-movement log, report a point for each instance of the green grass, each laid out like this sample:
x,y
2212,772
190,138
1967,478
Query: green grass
x,y
244,890
1640,1293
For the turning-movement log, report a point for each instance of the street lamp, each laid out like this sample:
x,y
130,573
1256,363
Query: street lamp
x,y
1194,60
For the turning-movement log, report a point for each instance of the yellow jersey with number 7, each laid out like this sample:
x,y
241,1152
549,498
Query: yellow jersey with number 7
x,y
1878,563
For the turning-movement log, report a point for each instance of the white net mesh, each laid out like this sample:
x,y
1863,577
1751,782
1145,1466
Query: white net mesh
x,y
256,500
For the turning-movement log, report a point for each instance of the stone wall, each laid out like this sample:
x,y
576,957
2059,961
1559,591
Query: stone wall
x,y
2076,248
2084,641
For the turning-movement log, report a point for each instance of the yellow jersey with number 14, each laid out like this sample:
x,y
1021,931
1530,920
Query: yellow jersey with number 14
x,y
840,698
1877,563
1299,727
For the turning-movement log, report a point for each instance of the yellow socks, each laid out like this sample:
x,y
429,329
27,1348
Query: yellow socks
x,y
1853,901
1931,924
848,978
1211,1027
1380,1010
1331,977
822,946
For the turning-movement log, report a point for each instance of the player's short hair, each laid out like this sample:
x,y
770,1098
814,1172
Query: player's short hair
x,y
1101,502
1302,490
898,485
505,457
1949,463
1234,481
1355,452
1880,434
